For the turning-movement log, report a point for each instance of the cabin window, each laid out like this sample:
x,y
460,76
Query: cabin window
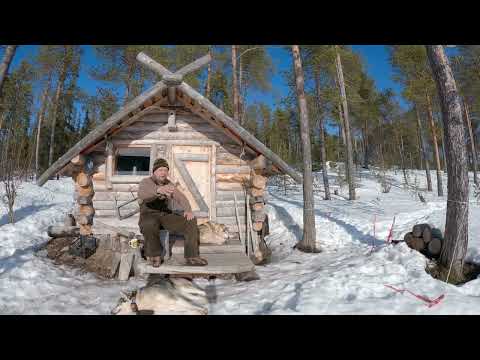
x,y
133,161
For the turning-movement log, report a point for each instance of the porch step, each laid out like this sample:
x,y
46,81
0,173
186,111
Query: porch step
x,y
218,263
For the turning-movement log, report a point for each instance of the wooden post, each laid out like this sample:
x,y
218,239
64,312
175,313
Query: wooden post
x,y
109,167
153,156
171,93
239,223
213,182
172,126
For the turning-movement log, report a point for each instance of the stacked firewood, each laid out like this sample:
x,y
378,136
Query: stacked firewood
x,y
425,239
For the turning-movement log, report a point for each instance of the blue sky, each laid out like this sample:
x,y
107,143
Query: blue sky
x,y
375,59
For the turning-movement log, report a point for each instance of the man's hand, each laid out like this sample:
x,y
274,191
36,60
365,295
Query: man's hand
x,y
188,215
166,190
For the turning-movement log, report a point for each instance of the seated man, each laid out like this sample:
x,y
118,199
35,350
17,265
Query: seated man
x,y
154,195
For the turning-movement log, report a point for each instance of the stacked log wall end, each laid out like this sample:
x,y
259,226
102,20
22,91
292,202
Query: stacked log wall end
x,y
84,191
258,226
259,182
259,216
257,192
84,200
259,163
260,206
78,160
86,230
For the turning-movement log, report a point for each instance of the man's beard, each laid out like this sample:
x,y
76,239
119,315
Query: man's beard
x,y
163,181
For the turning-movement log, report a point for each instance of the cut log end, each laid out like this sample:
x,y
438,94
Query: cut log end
x,y
259,181
258,206
86,229
427,234
258,225
435,246
257,192
417,230
83,180
78,160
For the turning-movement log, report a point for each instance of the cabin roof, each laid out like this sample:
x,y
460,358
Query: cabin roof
x,y
149,101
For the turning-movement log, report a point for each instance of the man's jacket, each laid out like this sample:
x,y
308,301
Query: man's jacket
x,y
150,200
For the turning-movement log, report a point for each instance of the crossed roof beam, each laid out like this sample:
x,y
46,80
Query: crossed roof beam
x,y
172,80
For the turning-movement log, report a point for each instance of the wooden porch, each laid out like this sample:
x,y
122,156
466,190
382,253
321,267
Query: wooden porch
x,y
229,258
222,259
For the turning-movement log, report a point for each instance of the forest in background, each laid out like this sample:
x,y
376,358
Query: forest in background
x,y
46,111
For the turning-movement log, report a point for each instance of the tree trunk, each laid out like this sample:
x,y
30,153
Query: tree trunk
x,y
58,92
402,159
41,115
456,225
444,169
365,143
419,149
472,143
209,76
266,127
348,147
128,84
240,92
323,153
424,154
4,66
307,244
435,146
236,110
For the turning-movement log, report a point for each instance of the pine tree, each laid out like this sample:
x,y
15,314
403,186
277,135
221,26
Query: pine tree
x,y
307,244
4,66
119,66
456,228
411,68
235,88
68,60
15,151
349,162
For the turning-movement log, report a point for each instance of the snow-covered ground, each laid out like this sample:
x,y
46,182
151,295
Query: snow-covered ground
x,y
347,277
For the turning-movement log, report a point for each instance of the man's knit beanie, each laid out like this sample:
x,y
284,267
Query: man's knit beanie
x,y
160,163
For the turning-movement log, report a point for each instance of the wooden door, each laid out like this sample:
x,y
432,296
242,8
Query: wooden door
x,y
193,168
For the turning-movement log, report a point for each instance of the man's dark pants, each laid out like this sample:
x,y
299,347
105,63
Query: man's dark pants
x,y
152,222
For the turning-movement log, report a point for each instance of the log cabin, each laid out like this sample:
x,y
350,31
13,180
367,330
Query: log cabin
x,y
220,167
